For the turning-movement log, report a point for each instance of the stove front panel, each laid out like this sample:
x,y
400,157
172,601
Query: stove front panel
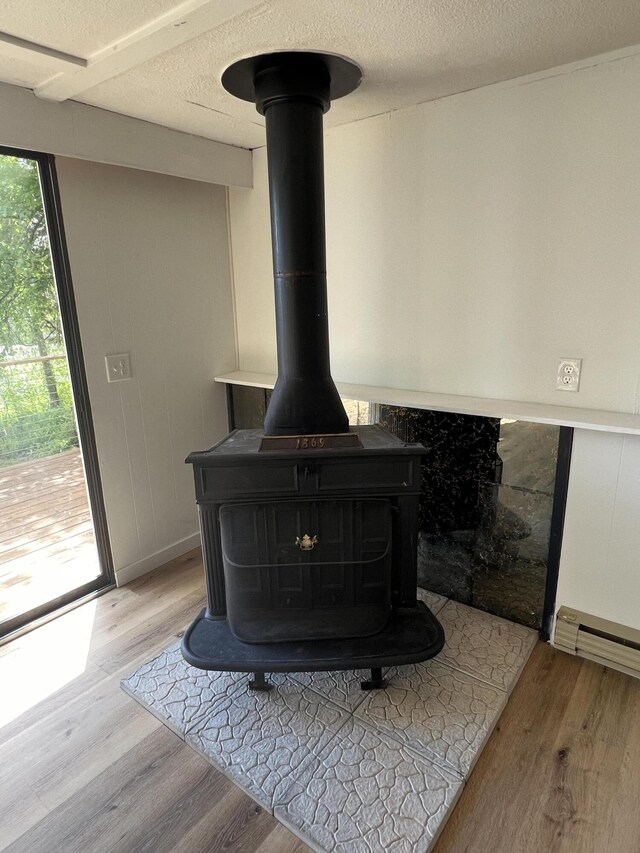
x,y
318,543
304,570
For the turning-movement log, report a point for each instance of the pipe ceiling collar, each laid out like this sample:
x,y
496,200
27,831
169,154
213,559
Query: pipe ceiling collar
x,y
285,75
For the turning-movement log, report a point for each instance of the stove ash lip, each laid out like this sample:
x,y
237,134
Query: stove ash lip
x,y
293,89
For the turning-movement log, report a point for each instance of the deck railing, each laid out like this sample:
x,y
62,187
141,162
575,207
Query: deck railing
x,y
36,408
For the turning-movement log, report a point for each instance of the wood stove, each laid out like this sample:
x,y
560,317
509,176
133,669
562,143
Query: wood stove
x,y
309,529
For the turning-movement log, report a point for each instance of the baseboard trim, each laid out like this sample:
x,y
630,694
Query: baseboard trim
x,y
153,561
607,643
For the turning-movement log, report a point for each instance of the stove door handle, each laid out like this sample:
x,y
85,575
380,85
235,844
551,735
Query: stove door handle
x,y
307,543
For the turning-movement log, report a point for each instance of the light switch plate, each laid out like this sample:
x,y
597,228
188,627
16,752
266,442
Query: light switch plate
x,y
118,367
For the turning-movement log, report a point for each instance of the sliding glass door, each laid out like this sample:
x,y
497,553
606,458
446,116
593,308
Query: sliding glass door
x,y
53,541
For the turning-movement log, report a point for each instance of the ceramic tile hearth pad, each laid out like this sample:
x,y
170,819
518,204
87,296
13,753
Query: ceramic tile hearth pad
x,y
434,602
443,714
264,740
346,770
487,647
176,693
368,792
342,688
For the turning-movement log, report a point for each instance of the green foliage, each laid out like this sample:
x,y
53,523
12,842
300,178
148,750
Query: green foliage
x,y
28,305
36,409
30,427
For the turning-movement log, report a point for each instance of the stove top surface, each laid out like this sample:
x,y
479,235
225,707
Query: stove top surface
x,y
242,442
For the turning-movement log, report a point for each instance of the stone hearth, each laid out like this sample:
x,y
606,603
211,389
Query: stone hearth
x,y
345,770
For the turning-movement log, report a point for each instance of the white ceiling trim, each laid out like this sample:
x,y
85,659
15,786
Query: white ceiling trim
x,y
185,22
14,47
89,133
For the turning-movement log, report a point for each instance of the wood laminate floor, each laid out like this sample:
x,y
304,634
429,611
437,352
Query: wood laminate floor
x,y
83,769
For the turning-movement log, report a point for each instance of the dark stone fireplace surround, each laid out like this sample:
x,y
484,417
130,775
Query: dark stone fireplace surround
x,y
492,502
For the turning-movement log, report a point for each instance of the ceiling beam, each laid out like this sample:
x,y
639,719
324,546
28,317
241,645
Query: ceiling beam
x,y
88,133
18,48
183,23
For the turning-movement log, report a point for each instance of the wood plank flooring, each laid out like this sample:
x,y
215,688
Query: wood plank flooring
x,y
86,770
47,545
561,772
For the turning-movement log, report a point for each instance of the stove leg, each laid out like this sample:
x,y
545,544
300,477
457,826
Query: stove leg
x,y
259,682
377,682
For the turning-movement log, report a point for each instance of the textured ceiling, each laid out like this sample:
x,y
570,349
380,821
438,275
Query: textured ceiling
x,y
410,50
79,27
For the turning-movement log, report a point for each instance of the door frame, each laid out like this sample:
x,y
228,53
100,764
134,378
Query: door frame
x,y
75,360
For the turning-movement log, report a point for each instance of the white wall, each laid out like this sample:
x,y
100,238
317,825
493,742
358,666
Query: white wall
x,y
150,265
600,569
475,240
472,242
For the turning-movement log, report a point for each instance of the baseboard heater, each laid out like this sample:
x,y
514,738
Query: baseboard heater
x,y
599,640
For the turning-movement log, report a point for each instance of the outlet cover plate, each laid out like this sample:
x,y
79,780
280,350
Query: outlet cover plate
x,y
569,371
118,367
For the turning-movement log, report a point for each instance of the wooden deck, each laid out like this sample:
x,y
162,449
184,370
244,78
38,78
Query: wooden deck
x,y
47,545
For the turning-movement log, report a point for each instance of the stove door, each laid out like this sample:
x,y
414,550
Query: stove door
x,y
303,570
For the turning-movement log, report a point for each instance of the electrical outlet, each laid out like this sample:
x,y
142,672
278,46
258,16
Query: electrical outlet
x,y
569,370
118,367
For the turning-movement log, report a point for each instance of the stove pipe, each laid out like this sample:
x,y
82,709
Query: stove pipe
x,y
293,90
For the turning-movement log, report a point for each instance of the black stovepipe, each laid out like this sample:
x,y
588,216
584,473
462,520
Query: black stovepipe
x,y
293,91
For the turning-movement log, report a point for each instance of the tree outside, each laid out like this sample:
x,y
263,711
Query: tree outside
x,y
36,407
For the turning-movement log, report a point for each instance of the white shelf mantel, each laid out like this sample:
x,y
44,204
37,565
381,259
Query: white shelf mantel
x,y
544,413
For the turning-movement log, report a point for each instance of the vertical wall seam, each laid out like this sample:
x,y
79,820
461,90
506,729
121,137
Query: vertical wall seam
x,y
232,278
614,503
171,445
636,397
122,409
146,459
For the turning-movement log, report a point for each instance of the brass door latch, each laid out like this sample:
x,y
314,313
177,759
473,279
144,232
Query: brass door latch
x,y
307,543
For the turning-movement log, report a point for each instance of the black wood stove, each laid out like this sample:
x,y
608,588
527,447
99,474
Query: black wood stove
x,y
309,529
